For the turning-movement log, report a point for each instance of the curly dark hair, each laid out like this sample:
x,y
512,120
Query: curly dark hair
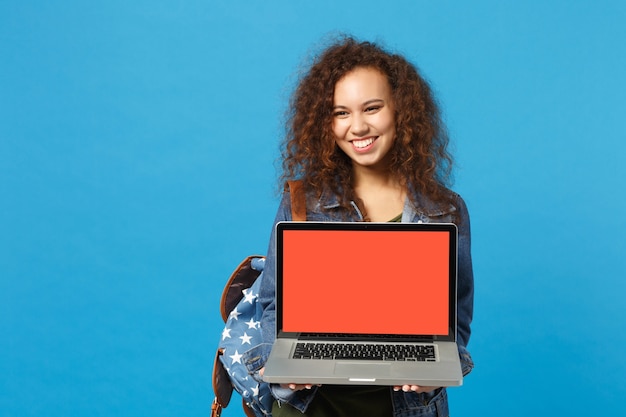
x,y
419,157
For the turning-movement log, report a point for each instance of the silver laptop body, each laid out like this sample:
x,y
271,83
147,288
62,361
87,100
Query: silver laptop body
x,y
365,303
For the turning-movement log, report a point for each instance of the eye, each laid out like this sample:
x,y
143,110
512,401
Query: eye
x,y
340,113
373,109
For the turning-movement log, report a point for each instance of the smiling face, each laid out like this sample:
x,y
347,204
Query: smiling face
x,y
363,117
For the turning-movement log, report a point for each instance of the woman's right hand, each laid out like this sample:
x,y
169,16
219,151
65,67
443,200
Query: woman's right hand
x,y
297,387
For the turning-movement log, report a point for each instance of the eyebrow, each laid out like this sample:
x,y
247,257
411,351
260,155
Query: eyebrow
x,y
367,103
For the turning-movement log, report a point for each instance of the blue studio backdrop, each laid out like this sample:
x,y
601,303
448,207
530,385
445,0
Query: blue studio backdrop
x,y
138,148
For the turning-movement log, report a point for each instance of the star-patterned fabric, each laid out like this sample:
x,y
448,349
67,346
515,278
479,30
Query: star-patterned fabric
x,y
242,332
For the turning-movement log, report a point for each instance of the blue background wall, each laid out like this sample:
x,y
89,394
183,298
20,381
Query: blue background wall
x,y
137,167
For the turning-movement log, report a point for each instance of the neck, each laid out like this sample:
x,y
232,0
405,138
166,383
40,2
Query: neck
x,y
380,195
366,177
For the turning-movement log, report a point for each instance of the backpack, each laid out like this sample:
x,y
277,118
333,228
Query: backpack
x,y
242,315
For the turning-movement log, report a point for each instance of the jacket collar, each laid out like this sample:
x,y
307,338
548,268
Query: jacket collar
x,y
419,205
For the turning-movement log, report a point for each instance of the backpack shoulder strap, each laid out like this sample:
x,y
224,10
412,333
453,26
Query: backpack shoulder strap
x,y
298,200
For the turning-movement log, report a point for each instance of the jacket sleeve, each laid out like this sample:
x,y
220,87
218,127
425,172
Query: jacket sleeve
x,y
267,292
267,300
465,286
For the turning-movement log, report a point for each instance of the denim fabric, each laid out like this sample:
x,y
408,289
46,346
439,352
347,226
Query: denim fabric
x,y
254,359
430,404
416,210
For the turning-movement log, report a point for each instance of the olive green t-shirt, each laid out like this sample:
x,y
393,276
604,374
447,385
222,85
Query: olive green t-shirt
x,y
396,219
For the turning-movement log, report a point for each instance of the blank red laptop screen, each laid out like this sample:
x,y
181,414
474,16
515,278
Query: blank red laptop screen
x,y
366,282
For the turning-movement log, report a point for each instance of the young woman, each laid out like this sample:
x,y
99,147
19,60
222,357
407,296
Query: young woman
x,y
366,139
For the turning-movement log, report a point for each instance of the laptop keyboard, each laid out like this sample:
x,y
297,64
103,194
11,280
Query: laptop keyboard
x,y
365,351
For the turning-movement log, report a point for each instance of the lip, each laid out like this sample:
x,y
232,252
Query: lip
x,y
363,145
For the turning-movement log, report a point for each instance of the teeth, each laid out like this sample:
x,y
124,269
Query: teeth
x,y
363,143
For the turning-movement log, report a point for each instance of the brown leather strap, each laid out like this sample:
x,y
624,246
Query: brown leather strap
x,y
216,408
298,200
222,387
242,277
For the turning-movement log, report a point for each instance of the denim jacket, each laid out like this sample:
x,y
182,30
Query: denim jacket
x,y
416,210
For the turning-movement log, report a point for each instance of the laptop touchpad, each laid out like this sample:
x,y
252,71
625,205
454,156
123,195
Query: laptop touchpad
x,y
362,370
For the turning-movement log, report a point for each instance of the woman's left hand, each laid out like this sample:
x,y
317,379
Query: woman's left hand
x,y
414,388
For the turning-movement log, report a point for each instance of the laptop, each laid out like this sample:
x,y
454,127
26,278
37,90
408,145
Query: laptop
x,y
365,304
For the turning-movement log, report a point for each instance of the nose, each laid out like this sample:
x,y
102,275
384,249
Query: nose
x,y
359,126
